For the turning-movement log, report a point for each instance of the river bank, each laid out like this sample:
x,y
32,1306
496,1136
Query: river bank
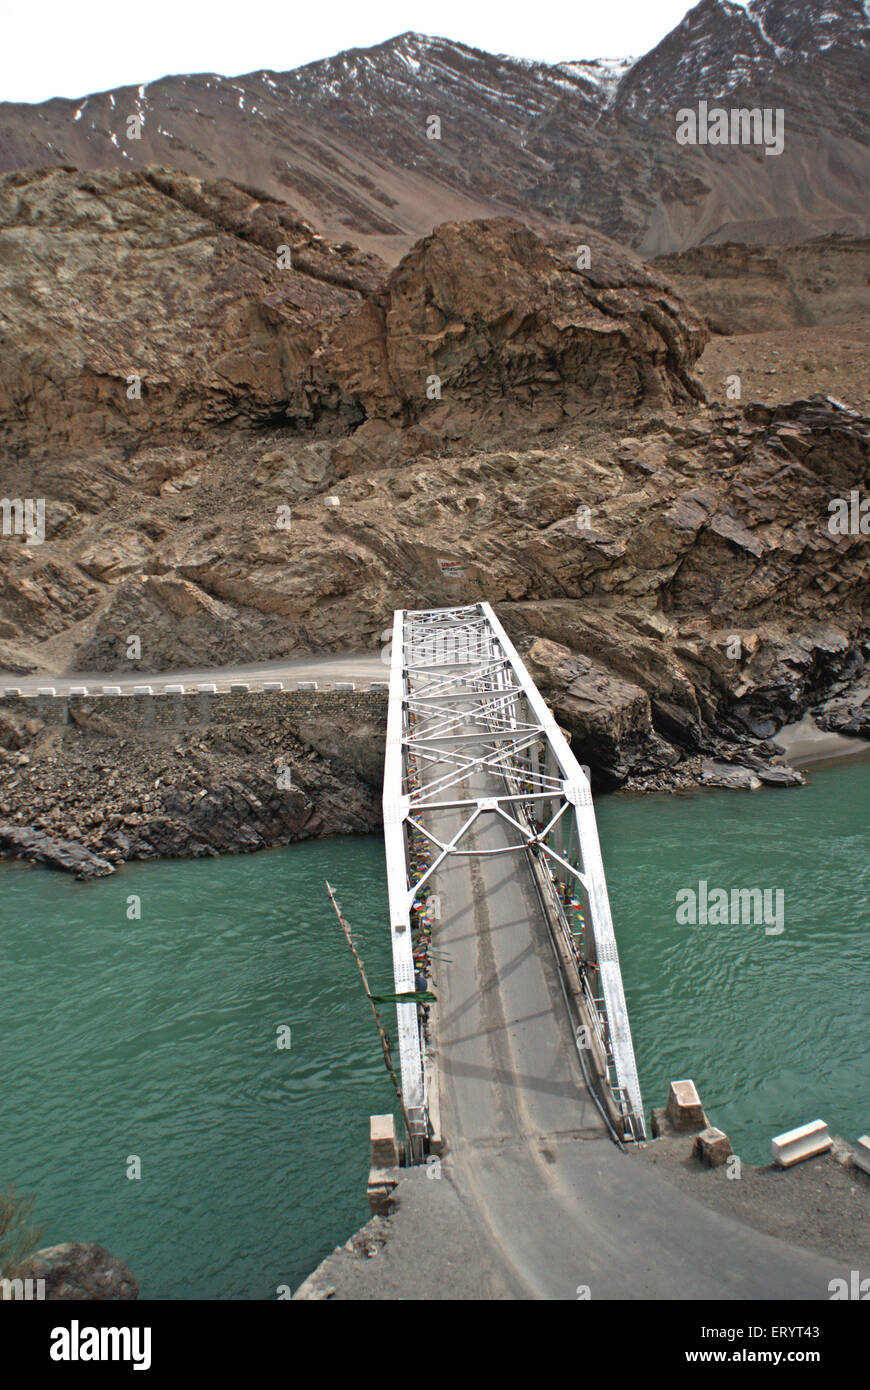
x,y
92,783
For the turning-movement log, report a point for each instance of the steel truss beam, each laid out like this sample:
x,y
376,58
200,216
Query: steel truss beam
x,y
462,704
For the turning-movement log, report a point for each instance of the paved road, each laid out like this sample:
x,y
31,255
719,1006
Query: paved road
x,y
561,1206
361,668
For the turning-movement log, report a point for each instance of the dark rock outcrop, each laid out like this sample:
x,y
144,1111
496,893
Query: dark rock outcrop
x,y
79,1270
24,842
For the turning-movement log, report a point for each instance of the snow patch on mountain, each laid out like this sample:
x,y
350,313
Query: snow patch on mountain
x,y
603,73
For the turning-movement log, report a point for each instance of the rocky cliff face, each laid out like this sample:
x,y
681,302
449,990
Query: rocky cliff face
x,y
347,141
152,308
152,305
169,388
747,289
327,442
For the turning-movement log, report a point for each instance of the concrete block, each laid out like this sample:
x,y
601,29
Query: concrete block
x,y
797,1145
78,690
841,1152
239,688
142,690
384,1145
272,687
712,1147
684,1108
379,685
861,1156
332,501
345,685
306,685
111,689
11,691
173,690
46,690
207,688
379,1190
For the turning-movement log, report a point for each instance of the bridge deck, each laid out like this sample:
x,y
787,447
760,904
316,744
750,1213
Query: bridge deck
x,y
462,706
507,1059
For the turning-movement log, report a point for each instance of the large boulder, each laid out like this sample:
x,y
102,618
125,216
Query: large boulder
x,y
487,320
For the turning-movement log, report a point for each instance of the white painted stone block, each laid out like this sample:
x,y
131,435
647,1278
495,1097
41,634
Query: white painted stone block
x,y
796,1145
12,690
384,1144
271,687
379,685
46,690
684,1108
142,690
345,685
78,690
207,688
173,690
307,685
111,689
861,1156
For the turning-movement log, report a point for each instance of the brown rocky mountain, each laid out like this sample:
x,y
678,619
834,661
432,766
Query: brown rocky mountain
x,y
346,141
788,320
161,286
666,563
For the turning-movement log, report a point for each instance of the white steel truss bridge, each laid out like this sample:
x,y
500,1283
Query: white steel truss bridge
x,y
470,738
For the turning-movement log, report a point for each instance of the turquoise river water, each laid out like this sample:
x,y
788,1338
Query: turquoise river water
x,y
156,1037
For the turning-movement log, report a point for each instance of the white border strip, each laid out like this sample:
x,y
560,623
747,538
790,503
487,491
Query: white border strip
x,y
395,805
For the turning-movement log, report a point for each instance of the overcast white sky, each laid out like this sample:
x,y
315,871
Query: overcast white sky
x,y
71,47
